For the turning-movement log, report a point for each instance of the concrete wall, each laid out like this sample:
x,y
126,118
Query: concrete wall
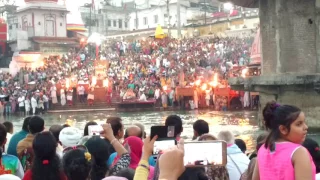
x,y
289,30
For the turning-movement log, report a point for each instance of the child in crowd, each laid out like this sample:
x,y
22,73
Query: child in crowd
x,y
282,156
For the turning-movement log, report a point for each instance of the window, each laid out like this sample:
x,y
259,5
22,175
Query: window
x,y
109,23
126,24
155,19
114,23
10,26
145,21
120,23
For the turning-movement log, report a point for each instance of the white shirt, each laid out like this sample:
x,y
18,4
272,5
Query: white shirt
x,y
21,101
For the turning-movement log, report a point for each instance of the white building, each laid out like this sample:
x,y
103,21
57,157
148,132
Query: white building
x,y
38,28
158,15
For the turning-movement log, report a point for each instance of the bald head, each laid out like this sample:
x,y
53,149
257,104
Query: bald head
x,y
133,131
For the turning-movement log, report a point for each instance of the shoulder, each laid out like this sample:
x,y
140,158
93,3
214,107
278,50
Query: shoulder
x,y
299,152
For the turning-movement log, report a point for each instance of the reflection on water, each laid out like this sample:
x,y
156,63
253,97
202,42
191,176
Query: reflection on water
x,y
242,123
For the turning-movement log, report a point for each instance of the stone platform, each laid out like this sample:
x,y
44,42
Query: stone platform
x,y
299,90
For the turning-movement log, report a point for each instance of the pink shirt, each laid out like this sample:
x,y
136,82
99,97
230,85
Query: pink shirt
x,y
278,165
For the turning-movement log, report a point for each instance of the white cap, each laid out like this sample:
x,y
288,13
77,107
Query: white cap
x,y
70,136
9,177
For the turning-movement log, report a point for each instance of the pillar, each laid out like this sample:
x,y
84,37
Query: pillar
x,y
288,31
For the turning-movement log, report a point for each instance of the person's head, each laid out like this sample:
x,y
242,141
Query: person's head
x,y
76,164
25,125
117,126
226,136
99,150
9,126
313,147
46,163
135,145
133,131
65,125
3,137
241,144
70,136
141,126
174,120
126,173
86,129
55,130
285,123
200,127
36,125
207,137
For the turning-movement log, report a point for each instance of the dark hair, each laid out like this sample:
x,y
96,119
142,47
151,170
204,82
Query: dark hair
x,y
9,126
99,150
55,130
174,120
201,127
275,115
65,125
75,165
313,147
116,124
25,125
126,173
3,137
261,140
241,144
44,148
85,131
36,125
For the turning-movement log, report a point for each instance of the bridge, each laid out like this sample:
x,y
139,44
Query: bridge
x,y
290,43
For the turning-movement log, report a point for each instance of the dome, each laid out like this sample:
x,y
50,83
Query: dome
x,y
37,1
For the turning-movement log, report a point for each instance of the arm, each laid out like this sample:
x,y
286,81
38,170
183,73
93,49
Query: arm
x,y
142,171
118,147
302,164
123,163
256,175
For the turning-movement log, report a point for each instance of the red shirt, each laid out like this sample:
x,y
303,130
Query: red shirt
x,y
28,176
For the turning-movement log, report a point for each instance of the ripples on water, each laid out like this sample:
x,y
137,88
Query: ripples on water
x,y
243,123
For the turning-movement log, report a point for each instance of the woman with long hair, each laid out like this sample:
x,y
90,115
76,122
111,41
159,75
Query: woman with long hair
x,y
46,164
282,156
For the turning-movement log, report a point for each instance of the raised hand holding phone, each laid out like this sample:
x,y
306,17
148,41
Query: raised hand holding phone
x,y
171,162
148,146
107,132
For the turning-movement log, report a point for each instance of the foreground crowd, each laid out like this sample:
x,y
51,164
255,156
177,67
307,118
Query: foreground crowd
x,y
65,153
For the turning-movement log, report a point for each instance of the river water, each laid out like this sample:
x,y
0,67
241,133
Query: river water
x,y
242,123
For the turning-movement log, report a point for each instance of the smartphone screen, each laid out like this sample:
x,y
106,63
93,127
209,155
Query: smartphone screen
x,y
206,153
94,130
162,131
163,145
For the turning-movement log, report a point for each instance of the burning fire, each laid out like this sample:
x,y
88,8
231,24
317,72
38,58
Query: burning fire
x,y
204,87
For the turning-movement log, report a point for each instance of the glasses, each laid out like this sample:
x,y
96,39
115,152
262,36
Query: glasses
x,y
80,147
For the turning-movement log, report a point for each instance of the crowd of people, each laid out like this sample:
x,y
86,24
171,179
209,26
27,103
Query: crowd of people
x,y
125,153
140,69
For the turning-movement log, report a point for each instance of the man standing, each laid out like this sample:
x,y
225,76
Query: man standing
x,y
16,138
21,104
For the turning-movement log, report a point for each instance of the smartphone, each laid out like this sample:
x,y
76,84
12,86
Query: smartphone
x,y
162,145
162,132
205,153
94,130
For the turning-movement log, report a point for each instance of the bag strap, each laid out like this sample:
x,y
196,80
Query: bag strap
x,y
235,164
